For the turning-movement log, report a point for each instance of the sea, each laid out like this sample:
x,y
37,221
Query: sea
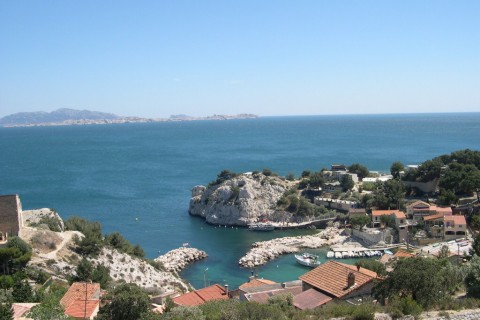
x,y
137,178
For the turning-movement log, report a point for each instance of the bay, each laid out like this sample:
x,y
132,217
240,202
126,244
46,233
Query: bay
x,y
118,173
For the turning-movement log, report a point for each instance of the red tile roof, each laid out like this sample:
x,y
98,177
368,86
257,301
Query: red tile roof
x,y
419,204
331,278
197,297
446,210
377,213
400,215
310,299
433,217
20,309
83,309
77,291
256,283
457,220
262,297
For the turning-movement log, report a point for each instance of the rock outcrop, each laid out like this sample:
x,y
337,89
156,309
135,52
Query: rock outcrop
x,y
240,200
177,259
264,251
134,270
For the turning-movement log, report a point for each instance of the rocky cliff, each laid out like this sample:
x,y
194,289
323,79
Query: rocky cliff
x,y
238,200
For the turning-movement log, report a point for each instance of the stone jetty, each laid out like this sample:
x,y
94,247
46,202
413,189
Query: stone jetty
x,y
264,251
177,259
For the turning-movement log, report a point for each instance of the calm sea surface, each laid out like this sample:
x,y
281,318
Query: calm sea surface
x,y
117,173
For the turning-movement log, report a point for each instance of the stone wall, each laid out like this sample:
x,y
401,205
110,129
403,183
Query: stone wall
x,y
372,237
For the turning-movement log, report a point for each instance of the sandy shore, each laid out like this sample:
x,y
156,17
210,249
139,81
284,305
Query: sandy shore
x,y
264,251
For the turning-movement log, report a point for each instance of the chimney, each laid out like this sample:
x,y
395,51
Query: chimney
x,y
358,267
226,289
284,285
350,280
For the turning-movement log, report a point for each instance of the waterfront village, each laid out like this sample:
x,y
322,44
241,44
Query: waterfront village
x,y
413,233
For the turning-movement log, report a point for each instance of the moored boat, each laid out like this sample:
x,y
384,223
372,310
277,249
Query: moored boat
x,y
307,259
330,254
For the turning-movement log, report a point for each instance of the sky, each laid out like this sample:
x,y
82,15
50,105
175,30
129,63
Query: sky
x,y
268,57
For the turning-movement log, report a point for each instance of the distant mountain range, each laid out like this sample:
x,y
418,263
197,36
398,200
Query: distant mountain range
x,y
64,116
57,116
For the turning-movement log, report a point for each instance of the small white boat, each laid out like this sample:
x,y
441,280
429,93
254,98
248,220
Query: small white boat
x,y
330,254
368,254
338,255
356,254
351,254
361,254
308,260
345,254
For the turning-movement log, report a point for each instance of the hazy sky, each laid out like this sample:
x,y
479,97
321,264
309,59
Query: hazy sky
x,y
156,58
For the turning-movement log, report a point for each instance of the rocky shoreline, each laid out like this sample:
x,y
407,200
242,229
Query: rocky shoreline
x,y
176,260
264,251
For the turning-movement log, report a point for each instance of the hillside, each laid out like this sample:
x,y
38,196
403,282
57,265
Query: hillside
x,y
60,115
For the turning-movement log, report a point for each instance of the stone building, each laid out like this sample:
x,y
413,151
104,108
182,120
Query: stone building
x,y
10,219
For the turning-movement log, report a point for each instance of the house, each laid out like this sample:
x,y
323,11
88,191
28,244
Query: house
x,y
10,216
447,227
381,178
398,216
419,209
82,300
20,310
255,282
353,212
198,297
454,227
337,204
339,281
261,294
310,299
338,167
332,186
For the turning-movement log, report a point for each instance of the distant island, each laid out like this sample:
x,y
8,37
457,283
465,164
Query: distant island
x,y
66,117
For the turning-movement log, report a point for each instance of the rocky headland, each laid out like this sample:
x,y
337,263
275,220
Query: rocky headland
x,y
238,199
54,253
68,117
176,260
264,251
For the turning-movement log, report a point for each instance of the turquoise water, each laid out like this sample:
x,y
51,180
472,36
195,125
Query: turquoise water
x,y
117,173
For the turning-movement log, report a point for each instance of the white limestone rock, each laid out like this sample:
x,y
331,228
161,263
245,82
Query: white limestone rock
x,y
240,201
177,259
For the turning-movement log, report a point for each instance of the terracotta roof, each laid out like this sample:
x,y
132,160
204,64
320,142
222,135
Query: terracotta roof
x,y
255,283
404,254
418,204
433,217
77,292
400,215
310,299
331,278
83,309
197,297
446,210
377,213
262,297
457,220
20,309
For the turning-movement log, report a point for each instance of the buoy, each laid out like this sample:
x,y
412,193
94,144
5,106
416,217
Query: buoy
x,y
136,219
